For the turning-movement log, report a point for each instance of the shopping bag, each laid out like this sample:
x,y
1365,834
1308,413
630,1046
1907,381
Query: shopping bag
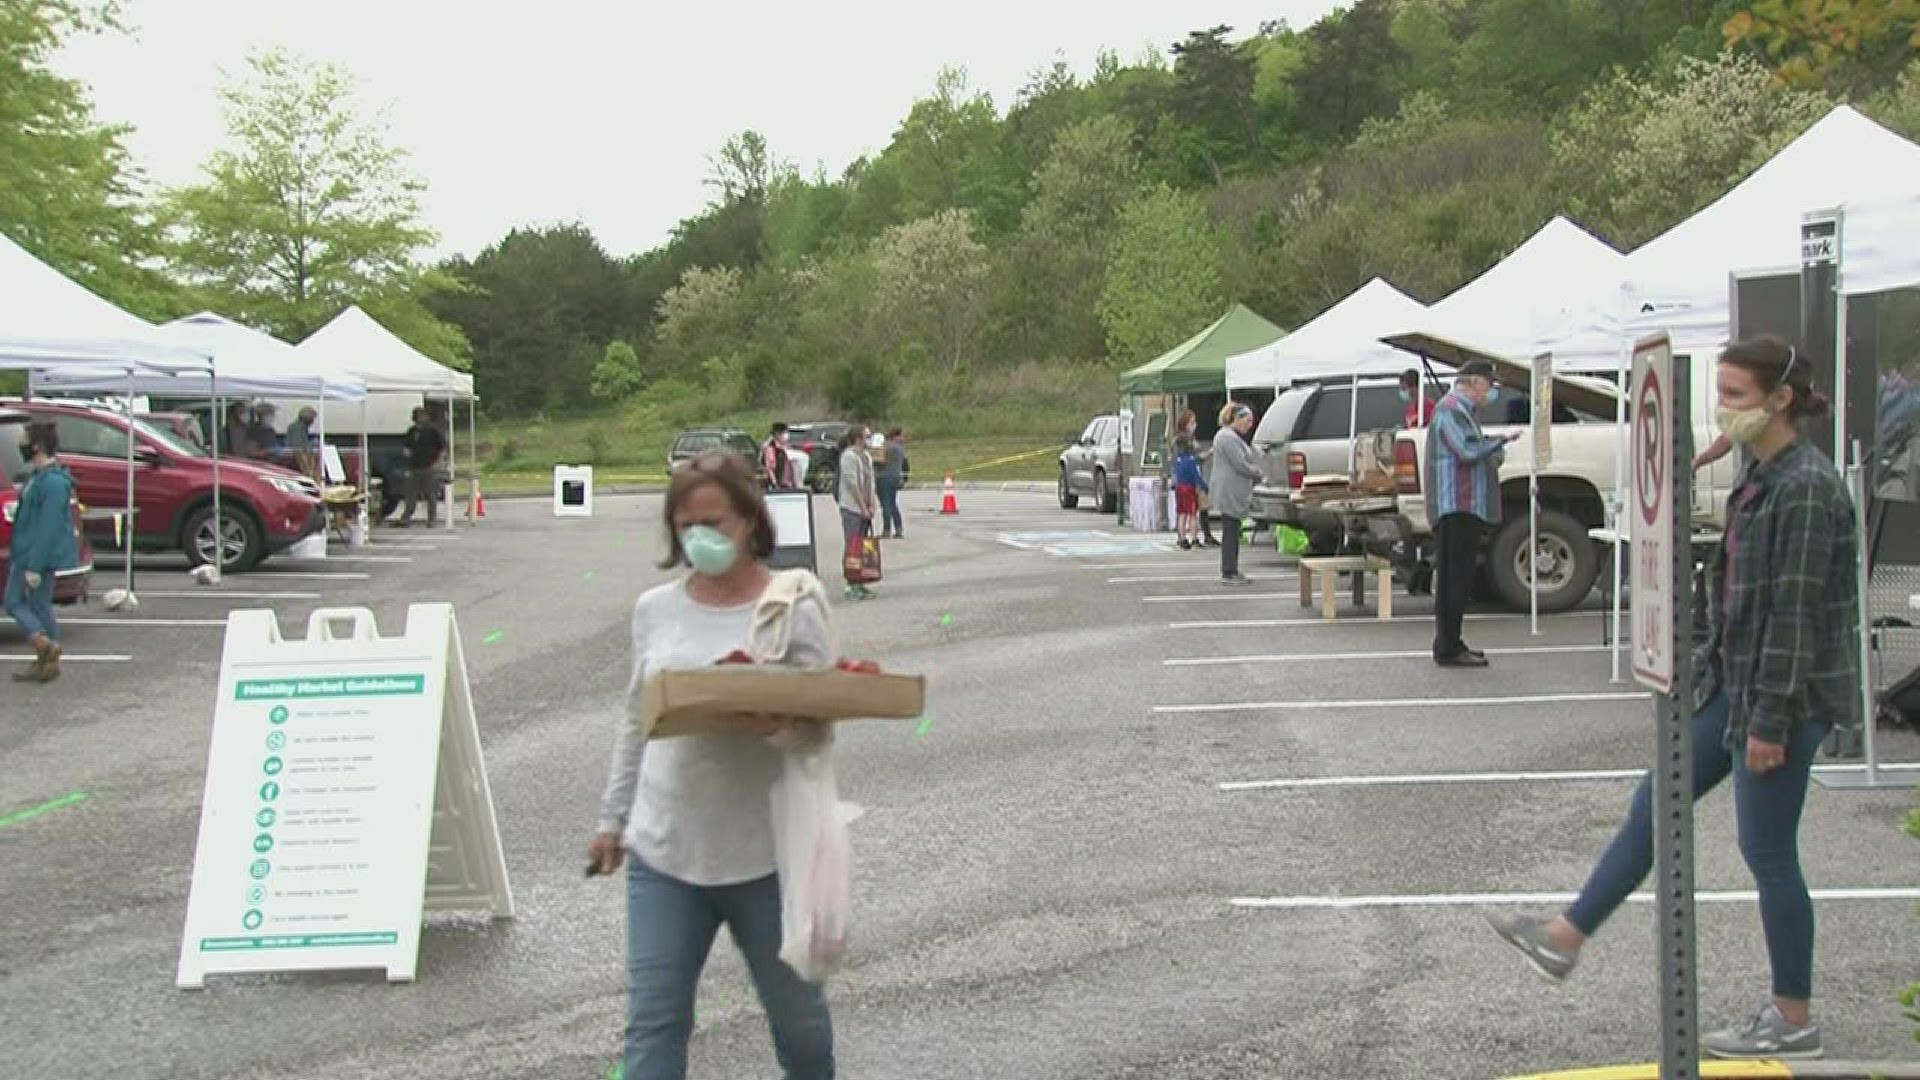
x,y
1290,540
810,848
863,560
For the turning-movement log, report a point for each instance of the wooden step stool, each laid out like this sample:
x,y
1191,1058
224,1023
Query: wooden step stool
x,y
1330,567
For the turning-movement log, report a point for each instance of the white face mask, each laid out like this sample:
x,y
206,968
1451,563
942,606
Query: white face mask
x,y
1742,426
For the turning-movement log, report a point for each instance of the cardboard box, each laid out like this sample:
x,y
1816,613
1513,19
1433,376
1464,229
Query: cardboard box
x,y
713,700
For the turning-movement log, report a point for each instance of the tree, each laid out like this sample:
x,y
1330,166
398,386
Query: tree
x,y
1163,280
311,211
932,287
950,154
1829,44
1057,264
699,319
617,376
863,387
1351,70
745,169
69,192
1213,95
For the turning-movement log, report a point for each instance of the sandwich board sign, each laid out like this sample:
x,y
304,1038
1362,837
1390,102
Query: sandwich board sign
x,y
1651,435
346,795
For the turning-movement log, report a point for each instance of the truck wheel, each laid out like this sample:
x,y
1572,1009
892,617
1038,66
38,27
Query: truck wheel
x,y
1567,562
1068,500
241,540
1324,542
824,481
1103,496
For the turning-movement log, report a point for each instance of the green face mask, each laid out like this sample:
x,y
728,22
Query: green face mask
x,y
709,551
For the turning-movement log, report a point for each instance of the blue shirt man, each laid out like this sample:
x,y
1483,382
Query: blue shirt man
x,y
1463,498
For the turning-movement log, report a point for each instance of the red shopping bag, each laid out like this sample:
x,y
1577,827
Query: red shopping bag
x,y
863,560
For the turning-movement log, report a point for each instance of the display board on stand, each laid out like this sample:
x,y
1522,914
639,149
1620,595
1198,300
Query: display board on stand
x,y
346,795
793,539
573,491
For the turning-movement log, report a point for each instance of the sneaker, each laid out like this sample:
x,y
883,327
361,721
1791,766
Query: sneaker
x,y
1766,1035
1186,545
1528,933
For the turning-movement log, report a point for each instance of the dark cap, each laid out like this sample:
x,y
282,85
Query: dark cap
x,y
1482,368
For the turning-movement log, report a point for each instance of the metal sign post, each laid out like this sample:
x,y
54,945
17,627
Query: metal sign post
x,y
1662,617
1541,397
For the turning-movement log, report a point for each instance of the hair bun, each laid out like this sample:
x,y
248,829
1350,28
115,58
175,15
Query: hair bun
x,y
1811,402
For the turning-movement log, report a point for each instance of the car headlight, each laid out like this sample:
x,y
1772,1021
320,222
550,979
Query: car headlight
x,y
287,485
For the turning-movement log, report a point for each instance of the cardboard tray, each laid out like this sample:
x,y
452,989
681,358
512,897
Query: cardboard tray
x,y
715,700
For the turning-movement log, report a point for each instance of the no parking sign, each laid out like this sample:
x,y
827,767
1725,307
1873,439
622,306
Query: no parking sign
x,y
1652,529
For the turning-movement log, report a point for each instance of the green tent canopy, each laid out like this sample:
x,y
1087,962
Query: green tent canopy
x,y
1199,364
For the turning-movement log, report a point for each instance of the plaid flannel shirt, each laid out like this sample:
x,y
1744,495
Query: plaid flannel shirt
x,y
1784,633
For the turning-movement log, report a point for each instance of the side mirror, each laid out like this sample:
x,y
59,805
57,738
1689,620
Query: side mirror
x,y
148,456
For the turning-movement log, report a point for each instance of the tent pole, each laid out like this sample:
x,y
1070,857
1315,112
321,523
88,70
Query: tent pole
x,y
127,535
453,463
473,448
219,533
1618,504
366,465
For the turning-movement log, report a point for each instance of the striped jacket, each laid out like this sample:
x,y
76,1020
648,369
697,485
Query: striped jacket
x,y
1784,630
1463,463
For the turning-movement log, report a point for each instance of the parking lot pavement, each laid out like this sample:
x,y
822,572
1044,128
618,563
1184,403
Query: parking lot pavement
x,y
1117,845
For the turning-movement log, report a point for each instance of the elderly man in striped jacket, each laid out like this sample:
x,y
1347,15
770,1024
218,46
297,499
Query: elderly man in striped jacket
x,y
1463,499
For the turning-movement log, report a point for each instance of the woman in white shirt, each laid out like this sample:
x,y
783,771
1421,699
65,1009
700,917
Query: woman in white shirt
x,y
691,815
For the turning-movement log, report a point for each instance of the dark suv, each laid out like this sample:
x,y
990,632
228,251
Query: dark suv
x,y
263,508
691,444
71,582
820,443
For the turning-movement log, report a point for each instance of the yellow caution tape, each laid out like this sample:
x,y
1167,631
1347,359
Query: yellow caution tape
x,y
1724,1070
1008,460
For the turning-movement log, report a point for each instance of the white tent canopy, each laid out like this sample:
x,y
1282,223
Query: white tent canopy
x,y
1683,275
1341,341
353,343
53,322
249,364
1545,287
1880,244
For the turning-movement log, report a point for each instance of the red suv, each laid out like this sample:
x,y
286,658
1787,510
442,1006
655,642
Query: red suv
x,y
263,508
70,583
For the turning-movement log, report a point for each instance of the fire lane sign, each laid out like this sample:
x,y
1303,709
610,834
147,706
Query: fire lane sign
x,y
1652,508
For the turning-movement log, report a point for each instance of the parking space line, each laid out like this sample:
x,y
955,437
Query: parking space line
x,y
1224,595
1404,703
1704,896
221,594
1408,654
1544,776
71,658
143,622
1356,620
352,559
312,575
1171,564
1155,579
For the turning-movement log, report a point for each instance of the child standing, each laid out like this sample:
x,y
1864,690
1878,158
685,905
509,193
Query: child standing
x,y
1188,483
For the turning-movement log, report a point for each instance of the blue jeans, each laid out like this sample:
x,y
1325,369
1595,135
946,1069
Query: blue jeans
x,y
1767,815
670,930
890,520
31,608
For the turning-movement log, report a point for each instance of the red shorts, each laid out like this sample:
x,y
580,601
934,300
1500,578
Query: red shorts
x,y
1186,499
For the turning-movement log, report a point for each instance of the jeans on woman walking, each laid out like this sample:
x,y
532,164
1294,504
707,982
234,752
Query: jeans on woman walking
x,y
31,608
670,929
1229,546
1767,814
890,520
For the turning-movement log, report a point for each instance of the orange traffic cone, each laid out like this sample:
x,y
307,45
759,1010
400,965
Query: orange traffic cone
x,y
949,501
477,506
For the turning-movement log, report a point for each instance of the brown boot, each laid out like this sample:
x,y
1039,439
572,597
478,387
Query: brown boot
x,y
49,653
33,672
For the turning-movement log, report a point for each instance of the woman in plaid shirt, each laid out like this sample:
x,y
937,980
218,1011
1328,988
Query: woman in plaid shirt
x,y
1779,669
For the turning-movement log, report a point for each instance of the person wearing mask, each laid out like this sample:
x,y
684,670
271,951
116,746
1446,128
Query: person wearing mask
x,y
1189,425
301,443
237,436
1463,499
776,461
261,438
1419,405
893,477
1779,668
426,448
1234,474
858,498
42,544
691,817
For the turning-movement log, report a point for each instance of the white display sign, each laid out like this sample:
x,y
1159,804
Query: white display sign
x,y
346,794
1651,513
573,491
1542,399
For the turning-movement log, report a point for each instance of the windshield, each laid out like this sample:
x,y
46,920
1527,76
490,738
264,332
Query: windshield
x,y
167,439
12,466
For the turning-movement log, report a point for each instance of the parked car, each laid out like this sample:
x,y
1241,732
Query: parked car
x,y
72,583
819,444
1308,432
264,509
1091,466
691,444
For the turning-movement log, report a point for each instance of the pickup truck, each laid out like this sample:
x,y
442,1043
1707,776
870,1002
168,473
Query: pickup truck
x,y
1576,488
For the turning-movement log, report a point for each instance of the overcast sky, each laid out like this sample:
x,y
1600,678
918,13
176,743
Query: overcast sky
x,y
605,111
